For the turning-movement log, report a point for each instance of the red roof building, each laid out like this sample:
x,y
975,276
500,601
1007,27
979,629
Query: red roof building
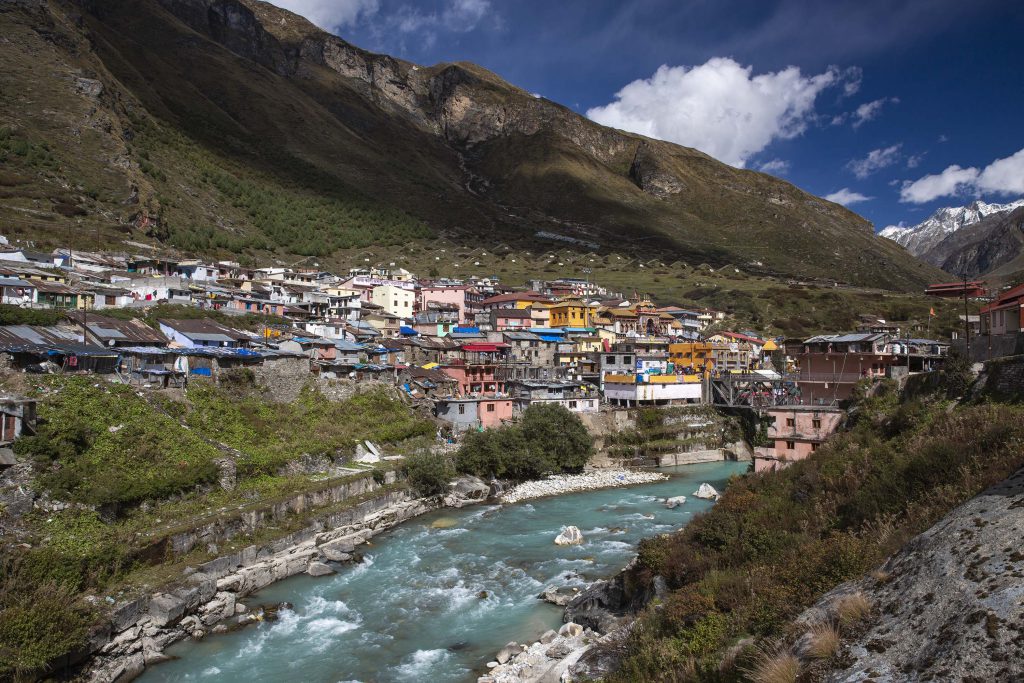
x,y
955,290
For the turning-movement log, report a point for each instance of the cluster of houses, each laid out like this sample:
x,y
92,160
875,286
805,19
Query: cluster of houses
x,y
476,351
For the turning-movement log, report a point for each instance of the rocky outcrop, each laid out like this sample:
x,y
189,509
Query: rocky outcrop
x,y
948,606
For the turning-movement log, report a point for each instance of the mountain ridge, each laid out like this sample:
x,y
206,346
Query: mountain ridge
x,y
235,126
971,240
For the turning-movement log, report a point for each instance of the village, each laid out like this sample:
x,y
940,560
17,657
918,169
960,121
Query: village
x,y
475,352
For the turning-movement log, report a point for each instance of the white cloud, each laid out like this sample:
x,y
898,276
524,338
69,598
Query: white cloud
x,y
954,180
914,160
846,197
776,166
871,110
330,14
875,160
719,107
1003,176
458,16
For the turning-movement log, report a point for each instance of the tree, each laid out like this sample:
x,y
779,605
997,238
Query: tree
x,y
428,474
551,429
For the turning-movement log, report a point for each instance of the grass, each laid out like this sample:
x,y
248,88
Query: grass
x,y
773,664
852,609
825,640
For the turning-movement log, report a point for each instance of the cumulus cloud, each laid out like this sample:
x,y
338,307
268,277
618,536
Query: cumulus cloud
x,y
1003,176
876,159
720,107
775,166
846,197
871,110
330,14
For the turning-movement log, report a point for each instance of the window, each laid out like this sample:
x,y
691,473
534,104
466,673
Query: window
x,y
610,360
790,445
791,422
814,446
572,404
490,407
816,423
462,409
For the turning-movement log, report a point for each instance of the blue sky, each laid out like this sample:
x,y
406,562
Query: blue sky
x,y
894,107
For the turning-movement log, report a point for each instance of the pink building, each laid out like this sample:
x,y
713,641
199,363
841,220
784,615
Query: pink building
x,y
797,431
511,318
494,411
464,297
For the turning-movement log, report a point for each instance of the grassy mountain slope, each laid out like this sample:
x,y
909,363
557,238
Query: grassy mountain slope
x,y
231,126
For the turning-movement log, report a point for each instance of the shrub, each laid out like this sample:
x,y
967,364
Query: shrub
x,y
428,474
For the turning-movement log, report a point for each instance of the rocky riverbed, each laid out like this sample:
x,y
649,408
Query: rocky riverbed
x,y
587,481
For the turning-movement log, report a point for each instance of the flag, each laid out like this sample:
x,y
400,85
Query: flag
x,y
931,312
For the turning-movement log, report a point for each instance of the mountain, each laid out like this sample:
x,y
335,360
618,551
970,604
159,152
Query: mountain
x,y
222,127
972,240
918,239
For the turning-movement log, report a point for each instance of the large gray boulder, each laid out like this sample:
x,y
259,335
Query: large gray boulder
x,y
166,610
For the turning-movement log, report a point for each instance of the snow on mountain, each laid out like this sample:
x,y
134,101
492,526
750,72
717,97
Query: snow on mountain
x,y
919,238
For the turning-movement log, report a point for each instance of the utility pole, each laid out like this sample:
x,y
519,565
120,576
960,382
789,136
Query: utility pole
x,y
967,320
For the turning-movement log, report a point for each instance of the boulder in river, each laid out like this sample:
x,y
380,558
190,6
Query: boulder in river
x,y
571,535
707,492
555,597
570,630
318,569
674,502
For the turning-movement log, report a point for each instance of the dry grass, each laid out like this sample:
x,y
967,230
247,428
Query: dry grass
x,y
824,641
773,664
852,609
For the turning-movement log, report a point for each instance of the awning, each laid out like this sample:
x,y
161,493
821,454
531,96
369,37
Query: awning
x,y
483,347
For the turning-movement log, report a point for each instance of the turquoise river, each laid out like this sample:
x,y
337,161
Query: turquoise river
x,y
414,611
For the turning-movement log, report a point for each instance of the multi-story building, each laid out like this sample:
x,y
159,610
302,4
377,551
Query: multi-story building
x,y
796,432
398,301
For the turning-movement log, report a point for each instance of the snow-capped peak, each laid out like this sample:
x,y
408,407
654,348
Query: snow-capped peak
x,y
921,237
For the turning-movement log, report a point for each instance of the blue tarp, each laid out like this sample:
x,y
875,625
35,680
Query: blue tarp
x,y
467,330
408,331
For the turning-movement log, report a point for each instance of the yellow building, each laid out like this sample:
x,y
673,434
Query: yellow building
x,y
570,313
696,355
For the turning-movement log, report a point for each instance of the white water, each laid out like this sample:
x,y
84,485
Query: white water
x,y
413,610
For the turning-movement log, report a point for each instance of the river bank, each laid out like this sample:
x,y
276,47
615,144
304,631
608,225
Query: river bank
x,y
557,484
436,597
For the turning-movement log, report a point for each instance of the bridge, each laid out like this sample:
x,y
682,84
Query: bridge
x,y
752,390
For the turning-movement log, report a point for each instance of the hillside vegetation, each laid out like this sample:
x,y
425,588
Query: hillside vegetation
x,y
776,542
232,127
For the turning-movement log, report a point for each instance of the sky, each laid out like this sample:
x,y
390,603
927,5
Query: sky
x,y
891,107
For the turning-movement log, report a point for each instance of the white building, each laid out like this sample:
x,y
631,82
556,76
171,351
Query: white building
x,y
397,301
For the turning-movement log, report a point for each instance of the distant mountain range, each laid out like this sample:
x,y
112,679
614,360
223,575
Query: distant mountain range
x,y
232,127
973,240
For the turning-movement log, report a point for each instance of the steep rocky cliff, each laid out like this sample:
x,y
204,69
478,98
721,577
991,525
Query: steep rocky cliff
x,y
235,126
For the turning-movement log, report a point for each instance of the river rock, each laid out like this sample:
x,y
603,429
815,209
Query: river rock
x,y
571,535
559,650
318,569
674,502
555,597
707,492
508,652
166,609
570,630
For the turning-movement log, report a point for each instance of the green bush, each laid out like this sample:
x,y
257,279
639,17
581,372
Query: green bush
x,y
547,439
428,474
